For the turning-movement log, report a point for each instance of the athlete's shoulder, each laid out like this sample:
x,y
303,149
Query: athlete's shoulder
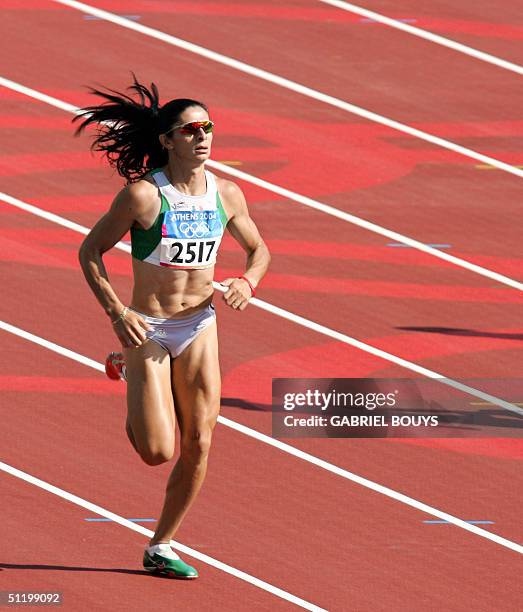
x,y
138,196
136,202
232,198
144,189
230,191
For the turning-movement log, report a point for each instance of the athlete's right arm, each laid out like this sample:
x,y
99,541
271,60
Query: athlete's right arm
x,y
133,204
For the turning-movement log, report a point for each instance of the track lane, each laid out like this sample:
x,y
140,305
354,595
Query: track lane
x,y
304,299
412,197
408,88
392,316
495,29
100,555
454,339
282,514
256,349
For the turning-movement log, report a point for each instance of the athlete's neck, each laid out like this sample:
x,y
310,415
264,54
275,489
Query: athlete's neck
x,y
188,180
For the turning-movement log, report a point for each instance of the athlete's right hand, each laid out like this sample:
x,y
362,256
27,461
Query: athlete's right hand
x,y
131,330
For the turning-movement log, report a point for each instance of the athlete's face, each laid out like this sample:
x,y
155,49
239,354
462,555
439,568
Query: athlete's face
x,y
194,146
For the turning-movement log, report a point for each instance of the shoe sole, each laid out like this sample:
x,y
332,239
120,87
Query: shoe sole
x,y
169,573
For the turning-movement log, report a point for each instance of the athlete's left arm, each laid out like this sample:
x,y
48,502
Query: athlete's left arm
x,y
244,231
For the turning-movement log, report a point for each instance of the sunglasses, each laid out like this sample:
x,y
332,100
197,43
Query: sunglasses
x,y
193,127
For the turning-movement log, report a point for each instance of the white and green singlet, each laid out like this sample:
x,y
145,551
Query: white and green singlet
x,y
188,230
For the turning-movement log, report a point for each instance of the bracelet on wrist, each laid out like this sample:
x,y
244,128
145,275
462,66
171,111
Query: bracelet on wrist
x,y
253,292
121,316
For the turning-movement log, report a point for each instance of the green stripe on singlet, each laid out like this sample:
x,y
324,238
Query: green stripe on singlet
x,y
221,211
144,241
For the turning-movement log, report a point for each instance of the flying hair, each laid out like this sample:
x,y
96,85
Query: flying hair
x,y
128,127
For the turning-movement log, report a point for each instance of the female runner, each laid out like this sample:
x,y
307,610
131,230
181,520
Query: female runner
x,y
176,212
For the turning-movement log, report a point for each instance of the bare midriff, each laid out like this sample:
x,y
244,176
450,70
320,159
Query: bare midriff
x,y
167,293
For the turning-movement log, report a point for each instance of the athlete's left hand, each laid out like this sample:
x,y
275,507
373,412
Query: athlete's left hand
x,y
238,294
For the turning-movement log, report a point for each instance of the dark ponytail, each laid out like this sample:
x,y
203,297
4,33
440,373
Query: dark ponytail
x,y
128,129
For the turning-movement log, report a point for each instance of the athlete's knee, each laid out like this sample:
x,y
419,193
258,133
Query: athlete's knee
x,y
156,452
156,455
196,444
155,459
153,452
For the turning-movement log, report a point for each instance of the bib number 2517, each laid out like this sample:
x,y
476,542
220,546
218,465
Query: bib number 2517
x,y
195,252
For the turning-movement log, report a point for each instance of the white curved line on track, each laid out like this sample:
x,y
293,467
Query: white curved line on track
x,y
294,318
427,35
287,448
301,199
224,567
287,84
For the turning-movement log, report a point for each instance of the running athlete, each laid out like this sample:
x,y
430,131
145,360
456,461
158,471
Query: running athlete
x,y
176,211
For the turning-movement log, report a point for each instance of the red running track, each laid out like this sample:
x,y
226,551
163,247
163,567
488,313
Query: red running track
x,y
258,504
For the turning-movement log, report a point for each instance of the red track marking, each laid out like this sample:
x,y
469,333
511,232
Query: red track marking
x,y
363,68
304,11
261,149
52,256
85,561
12,165
283,514
313,224
67,205
333,252
363,314
375,253
26,122
489,27
60,385
436,293
393,204
503,12
492,447
263,335
260,10
283,510
350,168
57,257
330,359
506,31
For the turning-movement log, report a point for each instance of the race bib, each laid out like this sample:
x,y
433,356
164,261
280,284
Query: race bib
x,y
190,238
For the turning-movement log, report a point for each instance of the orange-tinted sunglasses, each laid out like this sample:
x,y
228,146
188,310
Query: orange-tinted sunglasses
x,y
193,127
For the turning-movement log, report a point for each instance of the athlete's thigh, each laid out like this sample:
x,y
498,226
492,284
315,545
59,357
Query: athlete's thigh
x,y
197,383
150,409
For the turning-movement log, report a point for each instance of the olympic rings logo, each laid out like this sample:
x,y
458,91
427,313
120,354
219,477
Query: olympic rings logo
x,y
196,229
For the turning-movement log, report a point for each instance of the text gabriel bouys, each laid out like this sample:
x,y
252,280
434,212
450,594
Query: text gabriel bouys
x,y
355,420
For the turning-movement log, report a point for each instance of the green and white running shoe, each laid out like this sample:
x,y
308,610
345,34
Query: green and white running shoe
x,y
166,562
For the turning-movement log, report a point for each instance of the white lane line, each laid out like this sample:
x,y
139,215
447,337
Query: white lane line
x,y
287,84
435,38
369,484
79,501
301,199
38,95
291,450
290,316
49,216
51,346
372,227
367,348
